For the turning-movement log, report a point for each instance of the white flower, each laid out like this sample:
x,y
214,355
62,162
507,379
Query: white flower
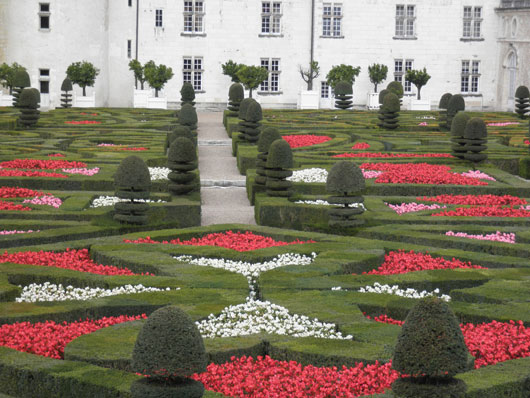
x,y
158,173
315,174
409,293
103,201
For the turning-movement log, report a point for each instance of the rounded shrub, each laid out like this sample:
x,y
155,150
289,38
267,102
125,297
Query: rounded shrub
x,y
236,94
345,178
522,101
182,161
28,103
187,94
253,117
382,94
458,128
66,97
279,160
444,103
179,131
389,112
188,116
444,100
243,106
20,81
343,95
475,139
396,88
456,104
132,182
266,138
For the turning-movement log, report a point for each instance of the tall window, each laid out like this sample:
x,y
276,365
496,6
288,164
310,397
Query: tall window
x,y
192,71
158,18
470,77
44,16
472,22
272,83
326,91
405,20
332,20
44,81
194,16
129,48
271,15
129,2
400,69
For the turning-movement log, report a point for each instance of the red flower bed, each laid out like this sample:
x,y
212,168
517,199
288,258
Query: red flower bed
x,y
41,164
11,206
82,122
49,338
90,114
296,141
24,173
268,378
418,173
78,260
16,192
487,200
392,155
240,241
361,145
483,211
56,155
401,262
141,148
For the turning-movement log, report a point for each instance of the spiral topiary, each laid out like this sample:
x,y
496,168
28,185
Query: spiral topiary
x,y
182,161
430,348
346,181
243,107
179,131
475,138
389,112
458,128
253,118
66,97
236,94
187,94
522,101
456,104
343,95
444,103
28,103
132,182
279,160
396,88
169,349
20,81
266,138
188,116
382,94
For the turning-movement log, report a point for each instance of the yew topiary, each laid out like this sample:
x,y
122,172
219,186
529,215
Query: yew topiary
x,y
187,94
132,182
522,101
389,112
20,81
279,160
266,138
28,103
345,181
66,97
188,116
182,161
179,131
458,128
456,104
396,88
253,118
243,108
442,114
382,95
236,94
430,348
475,140
169,349
343,95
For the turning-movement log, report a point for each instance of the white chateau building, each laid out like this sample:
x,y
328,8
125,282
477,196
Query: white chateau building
x,y
479,48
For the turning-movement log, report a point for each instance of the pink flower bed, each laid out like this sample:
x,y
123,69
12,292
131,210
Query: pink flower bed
x,y
56,155
371,173
392,155
487,200
141,148
478,174
404,208
40,164
76,122
361,145
14,231
496,237
501,124
484,211
83,171
106,144
48,200
299,140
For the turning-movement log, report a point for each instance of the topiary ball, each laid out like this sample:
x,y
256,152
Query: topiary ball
x,y
343,88
187,94
266,138
522,92
396,88
182,150
21,78
456,104
28,99
344,178
431,342
475,129
236,93
67,85
254,113
382,95
179,131
132,174
188,116
280,155
459,124
244,106
444,100
391,103
169,345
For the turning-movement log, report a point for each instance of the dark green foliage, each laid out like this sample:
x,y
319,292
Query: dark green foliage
x,y
157,75
20,81
342,73
522,101
179,131
266,138
475,138
279,160
7,75
382,95
343,95
236,94
251,76
136,67
146,388
253,118
346,181
458,128
66,97
444,103
182,160
230,68
444,100
524,167
83,74
188,116
389,112
411,387
28,103
396,88
132,181
187,94
377,74
243,108
456,104
419,78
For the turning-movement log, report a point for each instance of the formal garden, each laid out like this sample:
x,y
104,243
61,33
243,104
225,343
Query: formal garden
x,y
365,219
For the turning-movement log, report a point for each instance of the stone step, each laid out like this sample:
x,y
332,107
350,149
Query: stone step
x,y
223,183
214,142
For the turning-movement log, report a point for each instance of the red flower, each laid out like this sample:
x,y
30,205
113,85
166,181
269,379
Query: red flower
x,y
299,140
16,192
489,200
133,149
484,211
11,206
82,122
41,164
392,155
23,173
361,145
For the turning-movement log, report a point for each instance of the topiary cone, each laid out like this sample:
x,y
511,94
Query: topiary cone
x,y
253,118
475,138
132,182
236,94
266,138
188,116
458,128
279,161
456,104
522,101
187,94
182,160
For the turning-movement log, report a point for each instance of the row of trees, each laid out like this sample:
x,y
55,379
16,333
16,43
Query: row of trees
x,y
155,75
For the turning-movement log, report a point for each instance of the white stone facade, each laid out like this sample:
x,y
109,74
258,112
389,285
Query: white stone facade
x,y
361,32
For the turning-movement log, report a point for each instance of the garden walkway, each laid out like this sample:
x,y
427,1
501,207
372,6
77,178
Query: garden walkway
x,y
223,193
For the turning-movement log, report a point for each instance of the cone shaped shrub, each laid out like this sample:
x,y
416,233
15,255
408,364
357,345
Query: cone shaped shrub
x,y
179,131
187,94
396,88
279,160
522,101
389,112
188,116
456,104
236,94
243,108
66,97
458,128
169,349
345,181
382,95
431,349
266,138
182,161
343,95
444,103
20,81
475,140
253,118
28,103
132,182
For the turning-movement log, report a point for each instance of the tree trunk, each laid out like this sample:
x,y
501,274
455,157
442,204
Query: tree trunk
x,y
250,93
136,83
375,88
84,91
142,85
419,89
156,93
310,85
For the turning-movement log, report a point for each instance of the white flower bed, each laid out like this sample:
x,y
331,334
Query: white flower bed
x,y
255,317
314,174
409,293
250,270
51,292
326,203
158,173
103,201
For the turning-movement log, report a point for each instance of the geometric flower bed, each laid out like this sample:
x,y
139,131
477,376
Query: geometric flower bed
x,y
297,141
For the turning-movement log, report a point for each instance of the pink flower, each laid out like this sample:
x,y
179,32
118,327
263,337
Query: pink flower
x,y
478,174
412,207
48,200
496,237
83,171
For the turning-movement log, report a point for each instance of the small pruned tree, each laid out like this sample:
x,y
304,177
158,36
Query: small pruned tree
x,y
310,74
396,88
187,94
7,75
179,131
476,138
188,117
343,95
83,74
522,101
266,138
236,94
182,161
389,112
230,68
66,97
444,103
28,104
138,71
342,73
382,94
458,127
20,82
456,104
279,161
418,77
252,76
253,119
377,73
157,75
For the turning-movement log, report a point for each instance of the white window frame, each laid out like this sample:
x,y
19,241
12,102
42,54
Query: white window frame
x,y
332,14
472,22
405,21
44,14
193,72
271,85
326,91
44,77
401,66
159,18
194,12
470,77
271,18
